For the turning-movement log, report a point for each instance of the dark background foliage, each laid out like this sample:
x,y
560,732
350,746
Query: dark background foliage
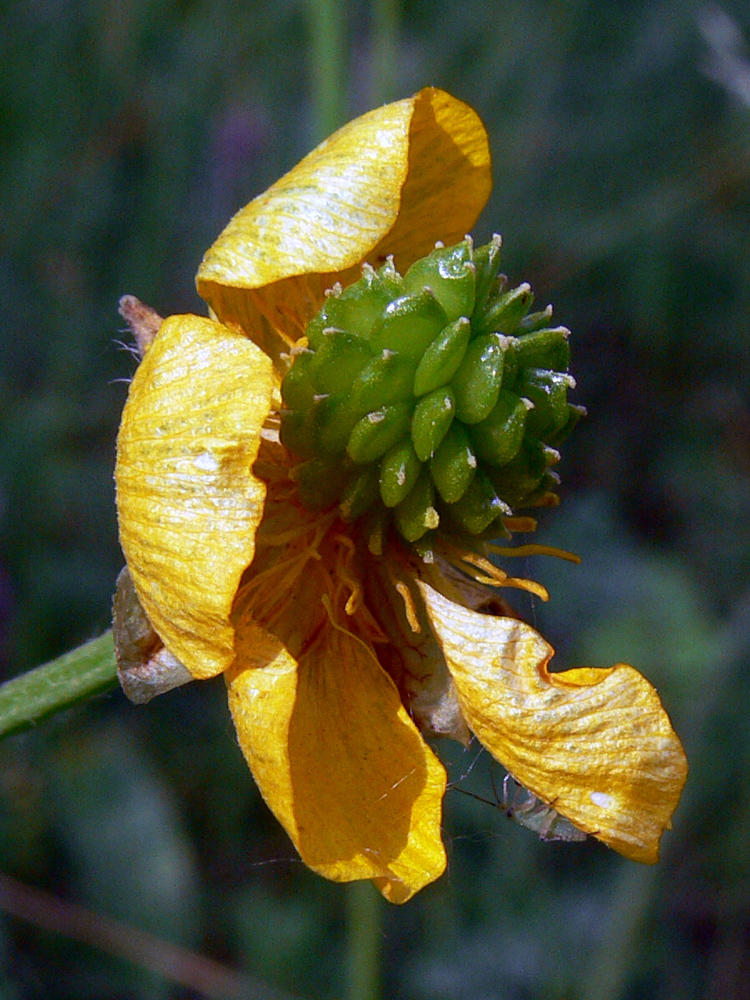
x,y
620,132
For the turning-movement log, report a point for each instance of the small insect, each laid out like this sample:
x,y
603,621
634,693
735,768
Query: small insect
x,y
521,805
527,809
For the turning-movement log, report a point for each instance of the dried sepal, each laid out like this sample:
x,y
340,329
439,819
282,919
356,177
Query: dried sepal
x,y
143,321
144,667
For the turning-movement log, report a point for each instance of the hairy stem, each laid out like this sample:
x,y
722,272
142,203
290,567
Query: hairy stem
x,y
74,677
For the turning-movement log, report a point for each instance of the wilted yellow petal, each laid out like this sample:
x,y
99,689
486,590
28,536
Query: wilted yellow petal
x,y
338,760
448,182
393,181
188,501
595,744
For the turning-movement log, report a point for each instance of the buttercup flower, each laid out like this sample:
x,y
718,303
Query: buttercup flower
x,y
276,533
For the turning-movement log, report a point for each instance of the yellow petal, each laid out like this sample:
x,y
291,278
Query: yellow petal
x,y
393,181
448,182
338,760
188,502
595,744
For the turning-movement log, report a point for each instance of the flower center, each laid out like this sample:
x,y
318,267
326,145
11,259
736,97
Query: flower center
x,y
432,400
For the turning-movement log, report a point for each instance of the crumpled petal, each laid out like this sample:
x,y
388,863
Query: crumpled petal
x,y
392,181
338,759
595,744
188,501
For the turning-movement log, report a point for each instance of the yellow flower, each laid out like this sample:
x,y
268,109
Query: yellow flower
x,y
339,653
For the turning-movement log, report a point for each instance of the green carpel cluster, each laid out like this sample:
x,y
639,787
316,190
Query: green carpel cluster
x,y
436,398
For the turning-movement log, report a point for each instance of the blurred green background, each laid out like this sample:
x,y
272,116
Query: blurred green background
x,y
130,131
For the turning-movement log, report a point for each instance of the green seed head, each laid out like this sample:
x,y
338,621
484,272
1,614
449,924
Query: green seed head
x,y
429,402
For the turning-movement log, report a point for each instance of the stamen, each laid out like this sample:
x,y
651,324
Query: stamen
x,y
266,591
533,550
345,553
481,570
548,500
345,541
409,607
292,534
489,581
529,585
377,636
481,563
266,595
524,525
355,600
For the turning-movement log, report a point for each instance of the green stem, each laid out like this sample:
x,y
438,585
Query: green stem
x,y
385,20
327,70
77,676
364,912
